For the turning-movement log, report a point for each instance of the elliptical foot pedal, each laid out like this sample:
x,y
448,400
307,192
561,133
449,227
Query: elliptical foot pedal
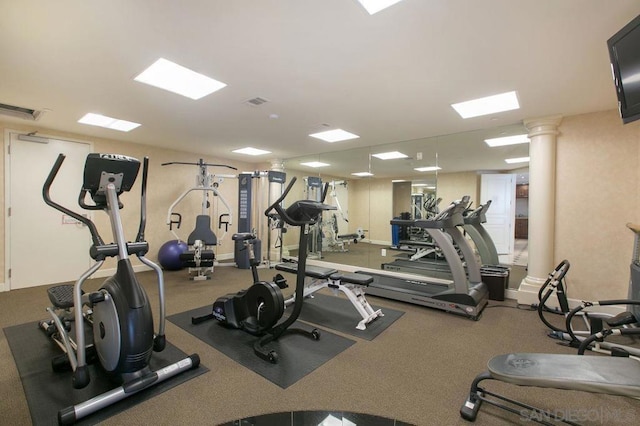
x,y
61,296
623,318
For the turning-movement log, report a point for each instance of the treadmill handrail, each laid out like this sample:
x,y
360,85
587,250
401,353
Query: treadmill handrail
x,y
448,218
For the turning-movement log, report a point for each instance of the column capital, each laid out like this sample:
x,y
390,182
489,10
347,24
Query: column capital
x,y
277,164
543,125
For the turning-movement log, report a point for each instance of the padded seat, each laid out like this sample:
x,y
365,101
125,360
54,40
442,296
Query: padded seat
x,y
204,255
203,232
207,259
310,271
359,279
349,236
608,375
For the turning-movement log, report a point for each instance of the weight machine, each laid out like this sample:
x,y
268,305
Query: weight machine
x,y
333,240
251,201
200,255
314,192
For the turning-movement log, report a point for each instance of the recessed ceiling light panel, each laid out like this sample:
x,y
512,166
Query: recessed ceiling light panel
x,y
507,140
251,151
491,104
108,122
362,174
427,169
517,160
389,155
375,6
335,135
175,78
315,164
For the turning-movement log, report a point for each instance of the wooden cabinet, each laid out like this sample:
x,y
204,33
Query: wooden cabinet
x,y
522,229
522,191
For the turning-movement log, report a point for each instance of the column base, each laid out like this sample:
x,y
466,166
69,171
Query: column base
x,y
528,290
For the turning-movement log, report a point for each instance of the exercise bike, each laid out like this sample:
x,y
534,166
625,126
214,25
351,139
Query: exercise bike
x,y
258,309
119,313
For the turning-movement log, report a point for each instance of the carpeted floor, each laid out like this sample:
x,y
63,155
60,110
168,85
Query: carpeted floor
x,y
417,371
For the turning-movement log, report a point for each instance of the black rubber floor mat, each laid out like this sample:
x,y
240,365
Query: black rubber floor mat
x,y
297,354
337,313
47,391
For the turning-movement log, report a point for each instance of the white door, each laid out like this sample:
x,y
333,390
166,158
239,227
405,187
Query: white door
x,y
501,190
45,246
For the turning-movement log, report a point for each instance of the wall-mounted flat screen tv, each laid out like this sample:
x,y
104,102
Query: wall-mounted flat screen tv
x,y
624,51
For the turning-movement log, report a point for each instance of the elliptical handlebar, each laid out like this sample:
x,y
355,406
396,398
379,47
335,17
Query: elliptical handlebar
x,y
95,236
143,201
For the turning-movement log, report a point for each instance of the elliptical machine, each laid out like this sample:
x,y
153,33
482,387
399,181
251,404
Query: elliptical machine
x,y
119,312
258,309
592,322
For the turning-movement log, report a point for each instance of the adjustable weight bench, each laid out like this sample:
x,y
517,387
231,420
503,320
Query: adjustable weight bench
x,y
618,376
352,285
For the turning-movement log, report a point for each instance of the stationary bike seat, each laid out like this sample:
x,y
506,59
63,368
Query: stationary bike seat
x,y
61,296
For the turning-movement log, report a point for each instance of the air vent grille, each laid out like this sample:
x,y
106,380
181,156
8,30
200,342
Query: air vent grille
x,y
257,101
20,112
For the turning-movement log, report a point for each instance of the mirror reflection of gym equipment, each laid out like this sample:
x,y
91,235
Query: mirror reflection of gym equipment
x,y
334,224
466,294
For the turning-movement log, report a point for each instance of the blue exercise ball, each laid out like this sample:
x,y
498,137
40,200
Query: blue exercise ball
x,y
169,254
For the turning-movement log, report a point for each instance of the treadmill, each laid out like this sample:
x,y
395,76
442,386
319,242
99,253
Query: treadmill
x,y
467,295
422,262
473,221
419,264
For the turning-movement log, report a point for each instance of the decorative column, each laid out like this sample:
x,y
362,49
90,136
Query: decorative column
x,y
543,134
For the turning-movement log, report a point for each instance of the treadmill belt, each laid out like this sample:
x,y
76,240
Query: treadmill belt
x,y
417,287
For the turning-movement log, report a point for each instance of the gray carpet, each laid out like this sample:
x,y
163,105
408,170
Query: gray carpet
x,y
418,371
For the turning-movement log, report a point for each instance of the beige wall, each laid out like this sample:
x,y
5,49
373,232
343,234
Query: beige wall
x,y
381,207
359,205
165,184
453,186
597,193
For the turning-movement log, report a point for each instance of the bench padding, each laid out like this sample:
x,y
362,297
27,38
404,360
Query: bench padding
x,y
359,279
310,271
610,375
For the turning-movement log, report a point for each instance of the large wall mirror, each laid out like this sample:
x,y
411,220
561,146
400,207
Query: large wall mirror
x,y
414,178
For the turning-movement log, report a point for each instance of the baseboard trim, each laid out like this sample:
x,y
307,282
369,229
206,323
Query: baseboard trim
x,y
527,294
